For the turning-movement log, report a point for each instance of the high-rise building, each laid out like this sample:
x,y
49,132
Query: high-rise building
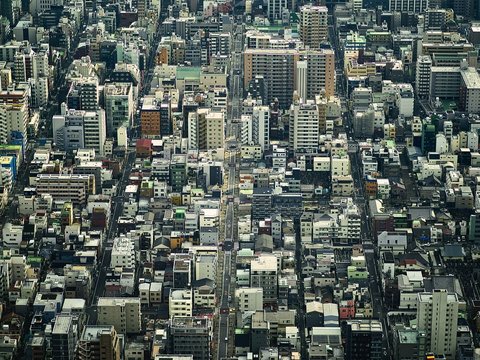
x,y
263,274
277,66
422,76
464,8
415,6
301,79
155,117
98,343
320,72
64,338
363,340
435,19
190,335
206,129
313,25
255,127
119,106
77,129
304,125
123,313
14,112
84,94
437,317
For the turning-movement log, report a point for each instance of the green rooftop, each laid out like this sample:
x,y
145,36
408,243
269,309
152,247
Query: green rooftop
x,y
188,72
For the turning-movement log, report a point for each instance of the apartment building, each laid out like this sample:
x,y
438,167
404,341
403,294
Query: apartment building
x,y
84,94
277,66
123,313
304,125
313,25
206,129
249,299
190,335
66,187
437,317
123,253
180,303
98,342
64,337
263,274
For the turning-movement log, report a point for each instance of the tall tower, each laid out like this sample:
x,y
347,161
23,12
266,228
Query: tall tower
x,y
301,79
313,25
437,316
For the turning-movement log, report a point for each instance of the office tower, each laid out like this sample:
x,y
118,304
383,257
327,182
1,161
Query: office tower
x,y
422,76
77,129
301,79
84,94
275,9
123,313
64,338
277,66
190,335
363,340
263,274
119,106
313,25
206,129
74,188
437,317
320,72
98,343
416,6
304,125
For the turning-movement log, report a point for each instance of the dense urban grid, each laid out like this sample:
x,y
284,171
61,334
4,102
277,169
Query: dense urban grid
x,y
257,179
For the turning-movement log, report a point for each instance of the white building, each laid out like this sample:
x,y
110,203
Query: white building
x,y
123,253
249,299
304,125
180,303
437,316
12,235
206,267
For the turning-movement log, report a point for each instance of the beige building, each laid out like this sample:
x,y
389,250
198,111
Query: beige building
x,y
123,313
180,303
66,187
279,70
249,299
313,25
206,129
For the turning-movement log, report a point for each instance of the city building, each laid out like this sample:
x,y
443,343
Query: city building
x,y
98,343
123,313
437,317
363,339
190,335
313,25
263,274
